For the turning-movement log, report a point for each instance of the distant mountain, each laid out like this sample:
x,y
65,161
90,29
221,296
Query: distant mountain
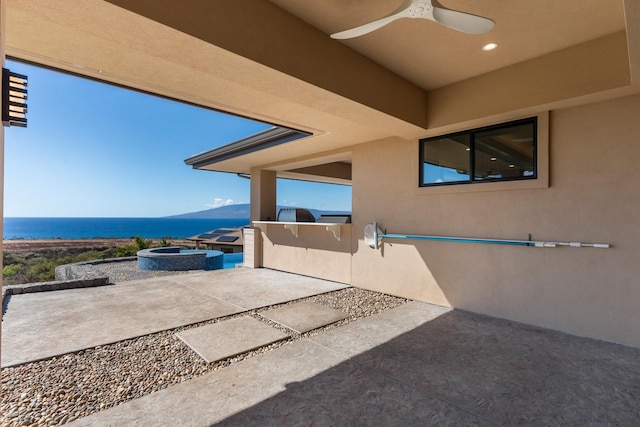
x,y
241,211
223,212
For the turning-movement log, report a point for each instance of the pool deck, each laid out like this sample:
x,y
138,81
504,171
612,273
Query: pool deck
x,y
416,364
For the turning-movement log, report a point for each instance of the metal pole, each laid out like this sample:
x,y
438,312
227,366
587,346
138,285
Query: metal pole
x,y
460,239
374,236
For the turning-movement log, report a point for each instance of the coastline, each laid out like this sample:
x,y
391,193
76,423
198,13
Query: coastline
x,y
38,244
16,228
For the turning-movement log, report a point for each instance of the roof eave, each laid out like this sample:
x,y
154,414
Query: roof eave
x,y
268,138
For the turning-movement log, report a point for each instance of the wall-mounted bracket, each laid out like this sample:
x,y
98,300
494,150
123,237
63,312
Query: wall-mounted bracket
x,y
261,225
293,228
335,229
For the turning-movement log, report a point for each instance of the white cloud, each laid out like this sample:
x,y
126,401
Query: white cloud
x,y
217,202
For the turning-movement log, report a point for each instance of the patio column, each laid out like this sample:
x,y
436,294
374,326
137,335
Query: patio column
x,y
263,208
263,195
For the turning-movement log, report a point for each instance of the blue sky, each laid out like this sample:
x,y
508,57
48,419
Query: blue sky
x,y
95,150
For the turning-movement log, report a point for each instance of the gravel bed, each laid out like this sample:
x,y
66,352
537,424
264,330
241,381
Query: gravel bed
x,y
61,389
121,271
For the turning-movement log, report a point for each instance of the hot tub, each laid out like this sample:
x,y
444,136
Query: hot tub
x,y
173,258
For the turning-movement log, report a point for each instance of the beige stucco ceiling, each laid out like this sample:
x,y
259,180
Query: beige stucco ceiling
x,y
274,61
431,55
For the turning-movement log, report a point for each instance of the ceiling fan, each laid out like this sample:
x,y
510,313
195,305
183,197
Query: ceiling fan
x,y
459,21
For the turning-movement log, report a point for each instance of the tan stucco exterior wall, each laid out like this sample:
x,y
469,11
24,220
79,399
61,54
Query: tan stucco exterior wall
x,y
314,252
593,196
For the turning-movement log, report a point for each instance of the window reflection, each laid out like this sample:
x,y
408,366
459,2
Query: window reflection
x,y
446,159
502,152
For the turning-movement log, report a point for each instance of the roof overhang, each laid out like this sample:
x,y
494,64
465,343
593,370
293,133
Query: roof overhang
x,y
332,170
274,62
268,138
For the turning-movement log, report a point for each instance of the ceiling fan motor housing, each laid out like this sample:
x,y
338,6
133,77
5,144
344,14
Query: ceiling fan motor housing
x,y
420,10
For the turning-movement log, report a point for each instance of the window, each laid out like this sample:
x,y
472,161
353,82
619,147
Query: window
x,y
504,152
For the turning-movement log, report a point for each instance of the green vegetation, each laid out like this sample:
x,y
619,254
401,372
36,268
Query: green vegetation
x,y
40,266
164,243
138,244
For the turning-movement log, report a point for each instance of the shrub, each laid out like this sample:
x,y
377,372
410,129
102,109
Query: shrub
x,y
141,243
125,251
12,270
94,255
44,271
9,258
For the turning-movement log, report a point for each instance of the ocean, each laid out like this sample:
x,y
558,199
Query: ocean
x,y
90,228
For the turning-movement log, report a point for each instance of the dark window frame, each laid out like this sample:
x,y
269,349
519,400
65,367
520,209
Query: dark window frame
x,y
471,134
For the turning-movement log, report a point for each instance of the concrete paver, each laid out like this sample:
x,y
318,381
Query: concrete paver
x,y
230,337
260,287
304,316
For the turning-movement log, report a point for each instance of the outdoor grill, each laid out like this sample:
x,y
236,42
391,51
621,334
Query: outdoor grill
x,y
295,215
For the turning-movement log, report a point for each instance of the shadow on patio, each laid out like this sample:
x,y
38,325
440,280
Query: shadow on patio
x,y
449,367
463,368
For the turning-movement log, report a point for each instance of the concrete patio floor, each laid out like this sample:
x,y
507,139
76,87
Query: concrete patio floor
x,y
416,364
84,318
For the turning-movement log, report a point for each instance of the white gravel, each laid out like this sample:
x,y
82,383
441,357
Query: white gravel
x,y
61,389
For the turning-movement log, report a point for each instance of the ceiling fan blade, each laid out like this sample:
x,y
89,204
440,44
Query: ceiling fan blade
x,y
460,21
400,12
364,29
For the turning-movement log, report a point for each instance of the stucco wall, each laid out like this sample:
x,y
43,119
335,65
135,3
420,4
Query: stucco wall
x,y
315,252
594,196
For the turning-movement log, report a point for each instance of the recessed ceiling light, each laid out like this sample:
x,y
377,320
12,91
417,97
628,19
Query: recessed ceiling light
x,y
489,46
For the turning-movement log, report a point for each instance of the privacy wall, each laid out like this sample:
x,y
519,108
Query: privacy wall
x,y
593,196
